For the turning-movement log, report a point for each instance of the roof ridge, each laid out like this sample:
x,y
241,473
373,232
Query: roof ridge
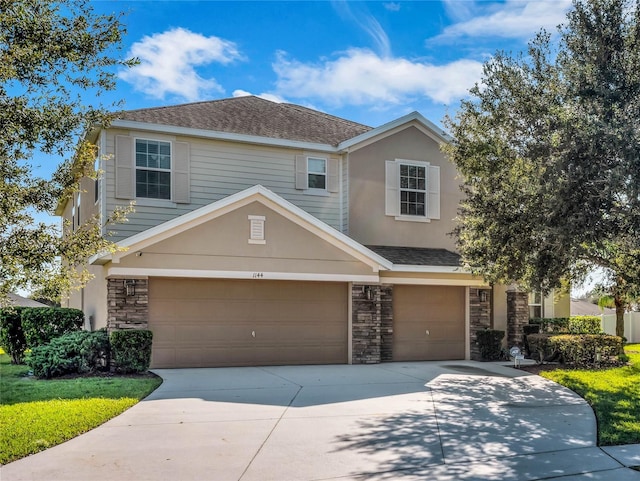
x,y
199,102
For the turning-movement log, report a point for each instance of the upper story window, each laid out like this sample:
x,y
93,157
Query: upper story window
x,y
412,190
535,305
153,169
317,175
317,172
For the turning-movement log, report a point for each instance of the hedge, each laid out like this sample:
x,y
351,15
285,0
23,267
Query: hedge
x,y
23,328
131,350
580,350
569,325
490,344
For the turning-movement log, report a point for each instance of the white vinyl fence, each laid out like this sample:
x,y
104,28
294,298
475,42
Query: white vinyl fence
x,y
631,325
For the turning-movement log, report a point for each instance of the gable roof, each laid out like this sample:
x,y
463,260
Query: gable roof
x,y
17,300
256,193
253,116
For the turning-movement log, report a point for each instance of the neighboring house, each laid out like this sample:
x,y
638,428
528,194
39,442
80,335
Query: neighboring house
x,y
19,301
584,307
269,233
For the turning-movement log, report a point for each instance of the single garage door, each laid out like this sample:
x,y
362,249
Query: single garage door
x,y
428,323
208,323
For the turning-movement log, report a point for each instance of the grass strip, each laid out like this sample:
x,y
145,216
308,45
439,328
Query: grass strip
x,y
38,414
614,395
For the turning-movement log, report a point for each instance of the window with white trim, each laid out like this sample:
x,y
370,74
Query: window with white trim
x,y
535,305
317,173
412,190
153,169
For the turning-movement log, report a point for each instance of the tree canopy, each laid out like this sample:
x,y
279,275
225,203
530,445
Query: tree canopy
x,y
53,57
548,146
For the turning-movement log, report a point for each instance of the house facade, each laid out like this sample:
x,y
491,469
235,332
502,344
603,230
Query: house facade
x,y
268,233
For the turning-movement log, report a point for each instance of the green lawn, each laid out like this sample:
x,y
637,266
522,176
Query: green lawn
x,y
37,414
614,395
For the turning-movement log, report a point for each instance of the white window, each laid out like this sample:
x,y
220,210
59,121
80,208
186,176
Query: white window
x,y
96,183
535,305
317,173
412,190
153,169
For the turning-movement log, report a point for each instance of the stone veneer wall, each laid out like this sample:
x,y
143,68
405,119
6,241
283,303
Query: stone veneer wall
x,y
517,316
386,322
479,319
371,323
127,312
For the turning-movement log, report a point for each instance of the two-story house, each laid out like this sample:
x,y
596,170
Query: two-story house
x,y
268,233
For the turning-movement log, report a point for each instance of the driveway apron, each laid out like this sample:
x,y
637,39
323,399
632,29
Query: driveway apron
x,y
440,421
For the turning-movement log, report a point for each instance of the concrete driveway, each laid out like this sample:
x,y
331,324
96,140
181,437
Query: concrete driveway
x,y
409,421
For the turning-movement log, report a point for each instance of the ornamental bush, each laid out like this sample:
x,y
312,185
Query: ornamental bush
x,y
23,328
72,353
131,350
490,344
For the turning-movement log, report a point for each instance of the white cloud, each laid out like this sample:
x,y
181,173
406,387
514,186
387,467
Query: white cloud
x,y
512,19
392,6
367,22
361,77
168,63
267,96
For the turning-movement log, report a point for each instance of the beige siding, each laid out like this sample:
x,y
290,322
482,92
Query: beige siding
x,y
368,223
222,244
95,298
217,170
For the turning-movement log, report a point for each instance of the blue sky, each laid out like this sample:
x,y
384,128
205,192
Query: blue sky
x,y
366,61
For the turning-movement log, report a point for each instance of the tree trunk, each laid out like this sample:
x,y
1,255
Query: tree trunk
x,y
620,307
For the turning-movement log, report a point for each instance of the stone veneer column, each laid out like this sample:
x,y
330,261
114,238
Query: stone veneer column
x,y
479,318
517,316
386,322
127,312
366,324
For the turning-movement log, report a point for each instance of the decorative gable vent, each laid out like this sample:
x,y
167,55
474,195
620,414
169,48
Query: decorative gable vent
x,y
256,230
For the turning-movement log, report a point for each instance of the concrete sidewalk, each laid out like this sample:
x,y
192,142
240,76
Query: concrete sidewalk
x,y
412,421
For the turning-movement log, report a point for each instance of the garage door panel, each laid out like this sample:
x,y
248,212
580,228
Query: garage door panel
x,y
428,323
194,324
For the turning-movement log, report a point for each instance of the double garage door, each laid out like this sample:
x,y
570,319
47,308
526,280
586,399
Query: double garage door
x,y
205,322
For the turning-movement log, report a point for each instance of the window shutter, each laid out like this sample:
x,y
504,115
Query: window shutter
x,y
333,176
181,178
125,188
392,190
433,202
302,177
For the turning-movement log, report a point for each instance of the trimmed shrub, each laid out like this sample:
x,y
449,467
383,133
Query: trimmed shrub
x,y
490,344
587,350
580,350
131,350
73,353
569,325
42,324
12,338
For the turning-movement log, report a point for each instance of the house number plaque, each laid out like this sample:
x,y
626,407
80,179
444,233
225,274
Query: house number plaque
x,y
258,275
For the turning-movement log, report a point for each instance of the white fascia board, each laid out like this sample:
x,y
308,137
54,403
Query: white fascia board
x,y
258,276
228,136
256,193
429,269
440,134
434,282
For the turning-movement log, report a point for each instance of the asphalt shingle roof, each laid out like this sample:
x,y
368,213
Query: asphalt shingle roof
x,y
253,116
417,256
